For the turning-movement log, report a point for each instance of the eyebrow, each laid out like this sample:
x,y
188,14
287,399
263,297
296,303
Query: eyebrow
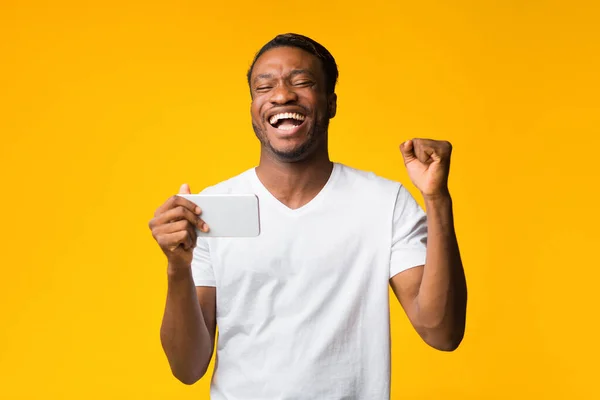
x,y
300,72
293,73
262,76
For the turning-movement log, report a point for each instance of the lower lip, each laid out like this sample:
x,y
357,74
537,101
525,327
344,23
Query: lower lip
x,y
287,132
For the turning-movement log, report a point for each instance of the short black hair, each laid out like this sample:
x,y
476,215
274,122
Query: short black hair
x,y
307,44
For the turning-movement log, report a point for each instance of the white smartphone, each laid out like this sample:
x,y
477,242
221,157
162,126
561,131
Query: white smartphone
x,y
228,215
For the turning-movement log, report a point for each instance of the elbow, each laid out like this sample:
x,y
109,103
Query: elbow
x,y
444,341
188,371
189,377
188,365
187,380
448,345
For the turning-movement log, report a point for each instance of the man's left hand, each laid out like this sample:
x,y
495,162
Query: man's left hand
x,y
428,165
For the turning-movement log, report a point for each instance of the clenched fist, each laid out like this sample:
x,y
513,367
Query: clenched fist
x,y
428,165
174,229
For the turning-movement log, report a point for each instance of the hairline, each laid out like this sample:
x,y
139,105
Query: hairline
x,y
290,45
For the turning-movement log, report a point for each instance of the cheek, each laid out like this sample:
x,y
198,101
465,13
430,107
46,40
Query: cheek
x,y
255,110
317,102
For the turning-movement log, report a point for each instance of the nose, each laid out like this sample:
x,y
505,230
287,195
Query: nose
x,y
283,95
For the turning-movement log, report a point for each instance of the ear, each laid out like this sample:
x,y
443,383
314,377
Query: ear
x,y
332,105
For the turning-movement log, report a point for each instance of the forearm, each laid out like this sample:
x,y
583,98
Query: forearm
x,y
442,296
184,335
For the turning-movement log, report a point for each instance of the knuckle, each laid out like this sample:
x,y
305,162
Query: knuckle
x,y
173,200
183,224
175,238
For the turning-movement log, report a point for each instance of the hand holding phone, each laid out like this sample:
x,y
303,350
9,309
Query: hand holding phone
x,y
175,228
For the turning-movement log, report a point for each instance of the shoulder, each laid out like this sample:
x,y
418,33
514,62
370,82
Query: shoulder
x,y
368,182
373,193
237,184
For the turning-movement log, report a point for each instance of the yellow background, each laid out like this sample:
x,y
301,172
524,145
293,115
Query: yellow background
x,y
107,107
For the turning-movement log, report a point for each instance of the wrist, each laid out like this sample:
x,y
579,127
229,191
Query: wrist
x,y
177,272
436,200
440,195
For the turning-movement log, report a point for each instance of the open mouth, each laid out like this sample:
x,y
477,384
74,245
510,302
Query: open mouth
x,y
287,121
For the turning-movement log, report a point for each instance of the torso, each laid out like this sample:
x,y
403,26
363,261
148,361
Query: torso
x,y
302,309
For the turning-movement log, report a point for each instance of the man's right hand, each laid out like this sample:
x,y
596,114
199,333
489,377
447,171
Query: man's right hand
x,y
174,229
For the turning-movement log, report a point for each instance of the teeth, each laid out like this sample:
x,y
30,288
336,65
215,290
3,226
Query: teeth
x,y
277,117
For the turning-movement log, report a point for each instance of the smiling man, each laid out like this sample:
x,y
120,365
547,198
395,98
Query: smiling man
x,y
303,308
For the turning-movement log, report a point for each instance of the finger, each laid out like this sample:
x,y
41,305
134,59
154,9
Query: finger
x,y
407,150
171,227
177,214
434,150
185,189
159,228
175,201
166,233
424,150
192,236
444,150
173,240
177,226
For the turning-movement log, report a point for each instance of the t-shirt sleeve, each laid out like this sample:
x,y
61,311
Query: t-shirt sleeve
x,y
409,234
202,270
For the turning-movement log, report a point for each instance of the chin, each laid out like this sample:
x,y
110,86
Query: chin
x,y
289,147
295,154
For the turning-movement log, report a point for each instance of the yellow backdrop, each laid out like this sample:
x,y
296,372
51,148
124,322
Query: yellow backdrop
x,y
107,107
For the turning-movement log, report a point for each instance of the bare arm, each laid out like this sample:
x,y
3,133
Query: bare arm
x,y
434,296
188,327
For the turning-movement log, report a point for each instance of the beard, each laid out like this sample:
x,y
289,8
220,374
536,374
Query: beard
x,y
315,135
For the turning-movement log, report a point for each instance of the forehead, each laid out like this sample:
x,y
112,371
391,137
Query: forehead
x,y
282,60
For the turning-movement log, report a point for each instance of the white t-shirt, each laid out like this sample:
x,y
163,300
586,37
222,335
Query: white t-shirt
x,y
303,309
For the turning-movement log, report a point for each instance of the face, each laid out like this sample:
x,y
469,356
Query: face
x,y
290,106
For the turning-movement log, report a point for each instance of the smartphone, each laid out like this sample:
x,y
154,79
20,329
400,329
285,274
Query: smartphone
x,y
228,215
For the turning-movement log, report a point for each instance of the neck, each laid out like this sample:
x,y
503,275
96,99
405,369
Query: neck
x,y
294,183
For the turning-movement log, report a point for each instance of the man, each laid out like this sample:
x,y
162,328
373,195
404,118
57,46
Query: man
x,y
303,308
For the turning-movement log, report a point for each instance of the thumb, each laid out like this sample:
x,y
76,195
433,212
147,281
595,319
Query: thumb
x,y
408,151
185,189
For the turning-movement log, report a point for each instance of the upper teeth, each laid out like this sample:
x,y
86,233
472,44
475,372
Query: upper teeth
x,y
277,117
